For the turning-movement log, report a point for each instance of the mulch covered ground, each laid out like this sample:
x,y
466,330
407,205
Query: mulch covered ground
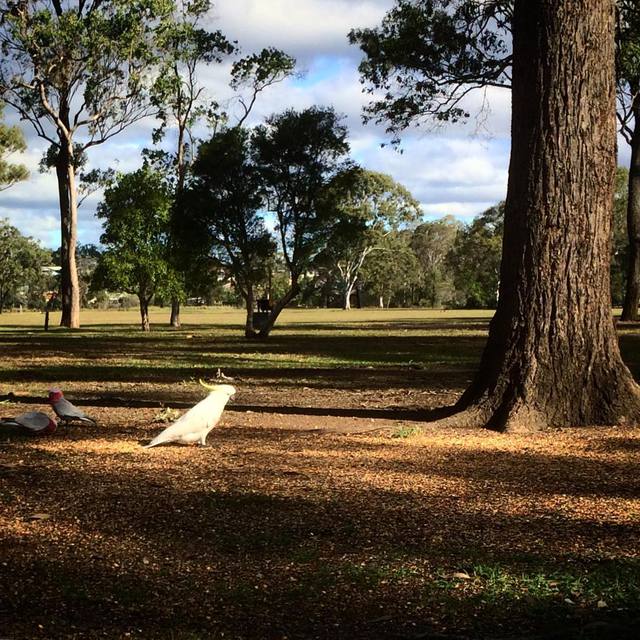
x,y
303,525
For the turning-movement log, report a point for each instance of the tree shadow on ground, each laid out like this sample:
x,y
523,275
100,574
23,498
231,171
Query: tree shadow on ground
x,y
266,543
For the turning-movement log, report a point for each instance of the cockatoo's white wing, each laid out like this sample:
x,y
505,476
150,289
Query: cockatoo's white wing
x,y
196,423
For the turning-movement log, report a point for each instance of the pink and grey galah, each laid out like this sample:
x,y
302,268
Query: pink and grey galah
x,y
194,426
66,411
35,423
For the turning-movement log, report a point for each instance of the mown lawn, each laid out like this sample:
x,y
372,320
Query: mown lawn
x,y
326,505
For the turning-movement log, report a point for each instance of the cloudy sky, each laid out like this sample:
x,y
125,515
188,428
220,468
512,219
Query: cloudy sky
x,y
459,170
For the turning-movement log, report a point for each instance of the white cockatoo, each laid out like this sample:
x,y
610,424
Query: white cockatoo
x,y
65,410
194,426
34,422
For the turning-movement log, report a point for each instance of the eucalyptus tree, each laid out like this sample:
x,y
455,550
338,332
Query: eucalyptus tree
x,y
426,57
552,356
298,154
366,206
78,72
432,243
11,141
185,46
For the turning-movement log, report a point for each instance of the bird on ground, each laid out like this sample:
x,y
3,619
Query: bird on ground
x,y
65,410
34,422
194,426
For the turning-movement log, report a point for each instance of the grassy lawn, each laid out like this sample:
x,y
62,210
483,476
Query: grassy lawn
x,y
324,507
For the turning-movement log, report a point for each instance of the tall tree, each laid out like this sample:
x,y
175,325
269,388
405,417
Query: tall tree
x,y
78,72
298,153
552,356
184,46
135,211
366,206
11,140
628,73
221,208
426,57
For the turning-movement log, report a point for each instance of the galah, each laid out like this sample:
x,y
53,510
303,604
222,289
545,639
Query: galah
x,y
194,426
65,410
35,422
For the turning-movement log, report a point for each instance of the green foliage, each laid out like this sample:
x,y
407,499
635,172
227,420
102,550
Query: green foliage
x,y
135,211
391,272
257,72
426,56
475,259
432,243
298,153
11,140
22,280
69,67
620,238
366,206
184,46
220,212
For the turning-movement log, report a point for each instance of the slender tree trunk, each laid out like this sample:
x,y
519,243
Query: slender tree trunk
x,y
69,287
294,290
181,164
144,313
346,304
174,321
552,356
249,298
381,301
632,293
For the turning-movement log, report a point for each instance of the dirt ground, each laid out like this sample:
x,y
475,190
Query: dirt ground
x,y
318,510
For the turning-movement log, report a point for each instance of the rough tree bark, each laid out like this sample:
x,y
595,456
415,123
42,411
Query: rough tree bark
x,y
69,285
632,293
552,356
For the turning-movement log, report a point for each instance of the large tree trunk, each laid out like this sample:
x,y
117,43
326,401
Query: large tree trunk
x,y
632,293
69,286
552,356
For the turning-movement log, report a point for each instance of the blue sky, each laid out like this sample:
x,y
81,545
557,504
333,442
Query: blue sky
x,y
459,170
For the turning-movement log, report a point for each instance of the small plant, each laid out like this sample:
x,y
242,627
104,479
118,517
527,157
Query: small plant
x,y
167,415
406,431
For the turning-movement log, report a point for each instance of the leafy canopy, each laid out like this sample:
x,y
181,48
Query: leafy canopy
x,y
135,211
11,141
427,55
